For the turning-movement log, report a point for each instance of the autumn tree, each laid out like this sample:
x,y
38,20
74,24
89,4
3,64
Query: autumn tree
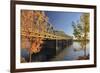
x,y
81,30
32,22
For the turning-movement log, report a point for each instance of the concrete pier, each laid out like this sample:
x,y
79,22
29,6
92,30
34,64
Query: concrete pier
x,y
50,49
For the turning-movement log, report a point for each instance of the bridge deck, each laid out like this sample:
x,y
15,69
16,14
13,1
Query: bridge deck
x,y
46,35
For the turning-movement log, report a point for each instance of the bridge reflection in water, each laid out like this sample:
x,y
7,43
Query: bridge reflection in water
x,y
39,38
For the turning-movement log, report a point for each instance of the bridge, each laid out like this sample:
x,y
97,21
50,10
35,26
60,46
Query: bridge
x,y
35,24
45,35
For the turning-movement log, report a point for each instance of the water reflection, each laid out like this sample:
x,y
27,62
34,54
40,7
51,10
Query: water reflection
x,y
72,52
69,53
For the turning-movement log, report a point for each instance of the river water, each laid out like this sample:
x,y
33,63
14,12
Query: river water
x,y
69,53
72,52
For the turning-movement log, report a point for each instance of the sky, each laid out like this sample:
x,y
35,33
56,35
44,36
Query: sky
x,y
63,20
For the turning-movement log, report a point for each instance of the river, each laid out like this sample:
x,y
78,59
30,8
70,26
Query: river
x,y
72,52
69,53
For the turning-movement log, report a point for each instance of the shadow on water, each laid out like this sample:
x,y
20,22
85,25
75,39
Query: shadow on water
x,y
49,54
44,55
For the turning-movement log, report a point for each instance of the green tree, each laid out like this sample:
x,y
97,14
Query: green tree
x,y
81,30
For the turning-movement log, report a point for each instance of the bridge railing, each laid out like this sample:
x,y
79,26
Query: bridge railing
x,y
45,35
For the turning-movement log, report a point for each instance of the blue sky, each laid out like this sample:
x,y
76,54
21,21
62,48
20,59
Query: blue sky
x,y
63,20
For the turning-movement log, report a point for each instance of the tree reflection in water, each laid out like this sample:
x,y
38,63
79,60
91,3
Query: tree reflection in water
x,y
35,48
